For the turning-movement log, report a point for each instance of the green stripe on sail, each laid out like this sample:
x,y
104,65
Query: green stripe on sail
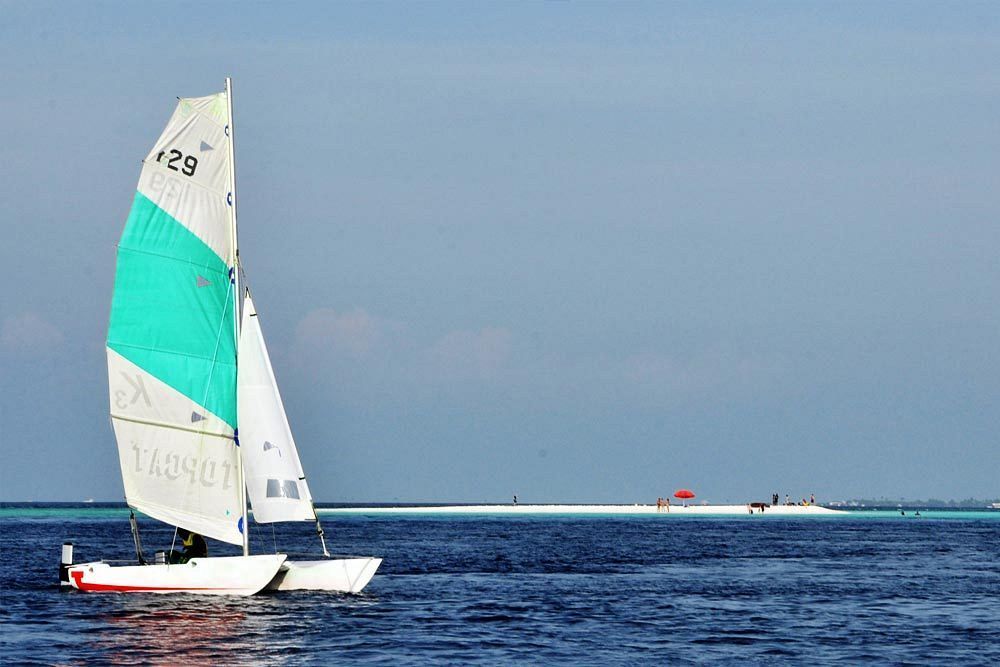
x,y
172,310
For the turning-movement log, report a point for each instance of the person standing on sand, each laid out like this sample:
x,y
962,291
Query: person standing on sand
x,y
515,498
812,498
668,505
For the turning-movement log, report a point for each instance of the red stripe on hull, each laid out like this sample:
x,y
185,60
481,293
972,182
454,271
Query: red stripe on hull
x,y
114,588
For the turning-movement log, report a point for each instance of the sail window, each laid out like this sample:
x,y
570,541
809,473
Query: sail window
x,y
282,488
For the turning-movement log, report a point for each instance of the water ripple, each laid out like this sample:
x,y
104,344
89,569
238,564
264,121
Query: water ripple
x,y
538,590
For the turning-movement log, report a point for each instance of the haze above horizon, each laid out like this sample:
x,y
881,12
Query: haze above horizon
x,y
580,253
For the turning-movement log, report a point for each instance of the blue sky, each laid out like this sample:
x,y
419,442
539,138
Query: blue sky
x,y
577,252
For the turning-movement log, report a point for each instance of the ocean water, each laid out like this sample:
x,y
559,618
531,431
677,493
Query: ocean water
x,y
866,588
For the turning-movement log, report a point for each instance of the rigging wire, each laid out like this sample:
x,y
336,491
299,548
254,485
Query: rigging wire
x,y
172,543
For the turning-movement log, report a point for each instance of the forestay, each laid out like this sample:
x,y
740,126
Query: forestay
x,y
276,484
171,340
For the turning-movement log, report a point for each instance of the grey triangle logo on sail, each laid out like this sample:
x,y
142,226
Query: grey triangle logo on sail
x,y
195,417
203,282
268,445
206,147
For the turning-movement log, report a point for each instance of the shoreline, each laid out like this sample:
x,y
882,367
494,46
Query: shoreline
x,y
651,510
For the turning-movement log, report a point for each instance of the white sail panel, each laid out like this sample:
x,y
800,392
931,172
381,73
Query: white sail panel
x,y
275,482
201,211
214,106
140,397
196,146
185,479
186,173
179,462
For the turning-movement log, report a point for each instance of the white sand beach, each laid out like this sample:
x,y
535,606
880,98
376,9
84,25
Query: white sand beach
x,y
672,510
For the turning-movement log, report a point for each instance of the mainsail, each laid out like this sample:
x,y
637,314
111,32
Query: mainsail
x,y
276,484
171,340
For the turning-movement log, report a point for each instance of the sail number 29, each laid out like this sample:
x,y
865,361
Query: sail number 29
x,y
187,167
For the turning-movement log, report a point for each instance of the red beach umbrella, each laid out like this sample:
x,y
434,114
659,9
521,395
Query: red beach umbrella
x,y
684,493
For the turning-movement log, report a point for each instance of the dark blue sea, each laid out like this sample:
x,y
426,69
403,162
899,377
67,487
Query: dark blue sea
x,y
866,588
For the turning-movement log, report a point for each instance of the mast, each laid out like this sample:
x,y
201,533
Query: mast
x,y
236,298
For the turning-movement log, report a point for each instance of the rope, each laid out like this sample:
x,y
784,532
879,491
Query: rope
x,y
135,536
172,543
319,531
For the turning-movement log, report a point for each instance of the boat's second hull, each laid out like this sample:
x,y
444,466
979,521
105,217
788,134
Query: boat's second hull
x,y
344,575
229,575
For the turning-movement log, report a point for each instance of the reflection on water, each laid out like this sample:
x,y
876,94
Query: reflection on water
x,y
196,629
171,629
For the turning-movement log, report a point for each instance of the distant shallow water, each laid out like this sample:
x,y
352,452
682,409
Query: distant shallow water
x,y
536,589
332,510
696,511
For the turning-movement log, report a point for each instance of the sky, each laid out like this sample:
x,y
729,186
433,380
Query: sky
x,y
580,252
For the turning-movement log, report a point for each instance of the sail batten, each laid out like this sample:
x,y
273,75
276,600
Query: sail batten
x,y
146,422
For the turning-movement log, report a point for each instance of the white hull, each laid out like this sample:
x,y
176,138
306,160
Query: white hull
x,y
344,575
230,575
673,510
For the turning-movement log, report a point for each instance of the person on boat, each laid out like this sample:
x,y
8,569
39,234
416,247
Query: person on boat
x,y
194,547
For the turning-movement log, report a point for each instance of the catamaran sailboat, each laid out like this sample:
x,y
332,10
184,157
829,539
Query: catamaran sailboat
x,y
199,421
